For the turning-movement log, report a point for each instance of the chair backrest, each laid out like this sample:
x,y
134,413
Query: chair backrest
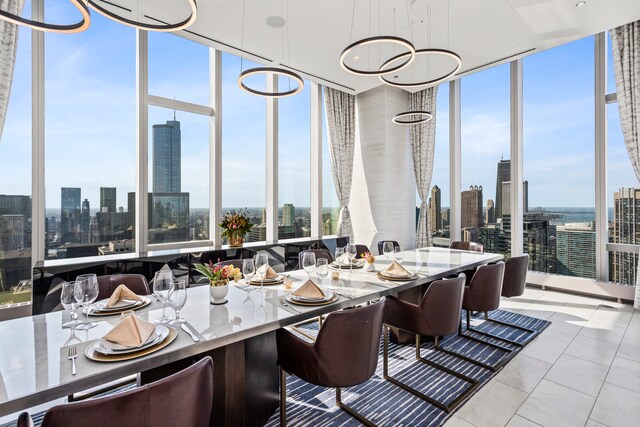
x,y
467,246
51,301
348,343
361,249
237,263
320,253
136,282
381,243
485,288
182,399
441,305
515,276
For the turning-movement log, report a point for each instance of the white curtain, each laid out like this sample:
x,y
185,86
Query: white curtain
x,y
626,64
423,142
8,50
341,121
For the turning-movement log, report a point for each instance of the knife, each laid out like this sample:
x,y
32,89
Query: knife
x,y
187,330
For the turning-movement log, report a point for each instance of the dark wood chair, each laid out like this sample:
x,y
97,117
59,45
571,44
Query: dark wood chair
x,y
467,246
436,315
182,399
344,354
136,282
360,250
320,253
381,244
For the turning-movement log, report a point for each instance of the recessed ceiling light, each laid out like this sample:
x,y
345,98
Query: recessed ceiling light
x,y
276,21
581,3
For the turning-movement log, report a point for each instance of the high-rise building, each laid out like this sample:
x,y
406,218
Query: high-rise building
x,y
626,229
288,214
108,199
540,242
69,214
503,174
167,157
506,198
15,205
490,213
472,207
12,232
525,197
435,209
576,250
85,220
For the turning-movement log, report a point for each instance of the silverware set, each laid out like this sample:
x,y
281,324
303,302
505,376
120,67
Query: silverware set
x,y
284,304
73,354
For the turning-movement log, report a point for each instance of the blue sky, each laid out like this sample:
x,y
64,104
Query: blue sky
x,y
90,123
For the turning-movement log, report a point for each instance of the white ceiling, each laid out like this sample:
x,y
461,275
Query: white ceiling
x,y
483,32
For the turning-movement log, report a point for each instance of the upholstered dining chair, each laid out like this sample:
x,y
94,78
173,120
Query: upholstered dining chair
x,y
136,282
360,250
182,399
467,246
436,315
381,244
320,253
237,263
344,354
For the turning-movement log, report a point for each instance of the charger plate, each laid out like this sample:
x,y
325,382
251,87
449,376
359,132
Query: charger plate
x,y
312,303
93,354
380,274
145,302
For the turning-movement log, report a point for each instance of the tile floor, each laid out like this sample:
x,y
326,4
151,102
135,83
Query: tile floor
x,y
583,370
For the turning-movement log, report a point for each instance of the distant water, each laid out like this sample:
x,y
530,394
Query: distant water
x,y
568,215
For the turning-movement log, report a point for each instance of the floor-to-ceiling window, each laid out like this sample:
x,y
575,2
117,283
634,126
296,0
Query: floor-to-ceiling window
x,y
90,134
486,184
559,225
15,180
439,211
330,204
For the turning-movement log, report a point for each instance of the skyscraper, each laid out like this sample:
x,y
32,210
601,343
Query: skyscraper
x,y
505,200
167,157
472,207
576,250
69,213
85,221
626,229
490,214
525,197
435,209
108,199
504,174
288,214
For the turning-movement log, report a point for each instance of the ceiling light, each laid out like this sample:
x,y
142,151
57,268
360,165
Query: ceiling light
x,y
379,40
425,52
276,21
52,28
267,71
422,117
162,27
581,3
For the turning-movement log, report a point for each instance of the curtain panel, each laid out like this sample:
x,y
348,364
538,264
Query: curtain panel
x,y
8,50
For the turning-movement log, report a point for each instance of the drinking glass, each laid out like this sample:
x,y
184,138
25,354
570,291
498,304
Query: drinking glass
x,y
68,301
351,250
339,253
308,262
248,271
398,255
85,292
177,300
162,282
261,262
387,250
322,268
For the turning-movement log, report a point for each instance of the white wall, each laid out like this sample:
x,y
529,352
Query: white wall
x,y
383,194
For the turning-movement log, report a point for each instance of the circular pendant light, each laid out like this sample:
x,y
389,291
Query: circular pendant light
x,y
379,40
266,71
53,28
423,117
422,52
186,23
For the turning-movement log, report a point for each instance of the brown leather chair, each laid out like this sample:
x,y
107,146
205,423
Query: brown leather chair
x,y
344,354
182,399
360,250
136,282
381,243
436,315
467,246
320,253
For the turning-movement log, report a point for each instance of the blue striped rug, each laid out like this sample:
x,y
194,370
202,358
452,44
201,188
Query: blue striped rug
x,y
385,404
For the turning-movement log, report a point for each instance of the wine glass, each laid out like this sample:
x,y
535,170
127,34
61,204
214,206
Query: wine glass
x,y
177,300
261,262
339,254
351,250
68,301
398,255
85,292
308,262
387,250
322,268
248,271
162,282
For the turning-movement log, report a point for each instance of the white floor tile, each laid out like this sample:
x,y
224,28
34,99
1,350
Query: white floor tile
x,y
523,372
562,330
492,406
592,423
611,334
625,373
552,405
518,421
617,406
456,421
630,347
545,348
578,374
592,350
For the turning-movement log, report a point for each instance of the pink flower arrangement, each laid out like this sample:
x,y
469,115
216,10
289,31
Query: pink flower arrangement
x,y
369,257
218,275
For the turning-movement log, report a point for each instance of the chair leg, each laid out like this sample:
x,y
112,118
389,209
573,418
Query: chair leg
x,y
283,397
507,340
350,411
473,384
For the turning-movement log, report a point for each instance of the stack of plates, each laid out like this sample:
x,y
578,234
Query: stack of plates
x,y
329,297
278,280
357,263
107,351
100,308
385,276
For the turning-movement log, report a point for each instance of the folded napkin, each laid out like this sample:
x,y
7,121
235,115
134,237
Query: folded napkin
x,y
122,292
343,259
396,270
309,290
270,274
131,332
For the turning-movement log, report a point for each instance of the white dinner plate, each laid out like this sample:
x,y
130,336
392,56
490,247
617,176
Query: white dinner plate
x,y
109,348
120,305
328,296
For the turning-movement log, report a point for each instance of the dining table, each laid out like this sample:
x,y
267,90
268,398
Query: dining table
x,y
238,335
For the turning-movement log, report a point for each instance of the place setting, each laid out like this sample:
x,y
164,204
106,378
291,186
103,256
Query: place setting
x,y
122,299
395,272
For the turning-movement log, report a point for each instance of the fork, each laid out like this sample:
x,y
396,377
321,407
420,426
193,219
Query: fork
x,y
73,354
284,304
